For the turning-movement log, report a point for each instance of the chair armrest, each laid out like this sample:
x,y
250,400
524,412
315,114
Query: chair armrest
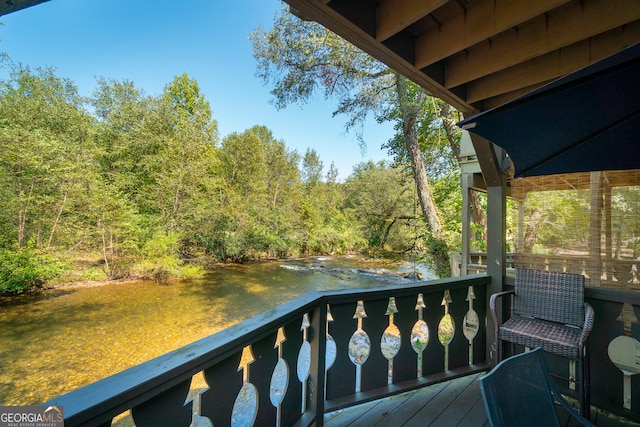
x,y
494,316
492,305
589,318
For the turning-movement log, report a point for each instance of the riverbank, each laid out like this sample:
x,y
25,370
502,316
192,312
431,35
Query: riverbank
x,y
92,267
57,340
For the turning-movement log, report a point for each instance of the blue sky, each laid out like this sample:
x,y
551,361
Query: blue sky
x,y
150,42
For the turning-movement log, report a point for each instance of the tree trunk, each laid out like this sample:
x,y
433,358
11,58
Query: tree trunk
x,y
385,235
531,232
55,223
176,204
410,111
479,215
104,249
22,215
449,125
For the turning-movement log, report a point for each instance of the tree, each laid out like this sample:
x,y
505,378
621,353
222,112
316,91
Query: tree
x,y
276,224
159,156
188,149
45,149
439,140
311,167
302,57
382,199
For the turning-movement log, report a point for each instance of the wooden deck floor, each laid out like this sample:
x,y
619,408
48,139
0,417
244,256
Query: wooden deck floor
x,y
454,403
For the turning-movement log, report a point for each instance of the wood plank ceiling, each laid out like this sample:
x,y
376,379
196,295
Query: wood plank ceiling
x,y
478,54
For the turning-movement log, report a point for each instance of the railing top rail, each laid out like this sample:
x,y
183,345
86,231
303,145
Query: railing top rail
x,y
434,286
100,401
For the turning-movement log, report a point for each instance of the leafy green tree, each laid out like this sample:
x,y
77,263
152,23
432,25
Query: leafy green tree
x,y
278,223
440,146
302,57
311,167
189,150
262,183
160,154
45,147
130,133
383,199
243,167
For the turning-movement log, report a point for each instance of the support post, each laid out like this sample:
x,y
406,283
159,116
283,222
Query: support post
x,y
521,227
491,159
595,241
466,222
608,232
318,355
496,255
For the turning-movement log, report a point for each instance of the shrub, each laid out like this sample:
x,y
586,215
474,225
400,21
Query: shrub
x,y
27,269
162,260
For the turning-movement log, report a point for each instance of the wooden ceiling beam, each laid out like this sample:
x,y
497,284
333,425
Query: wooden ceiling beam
x,y
395,15
334,21
478,23
497,101
554,64
558,29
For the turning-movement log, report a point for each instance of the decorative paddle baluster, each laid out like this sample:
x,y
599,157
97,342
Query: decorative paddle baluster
x,y
331,350
623,351
225,383
446,328
391,339
245,407
279,378
420,333
471,323
304,360
359,345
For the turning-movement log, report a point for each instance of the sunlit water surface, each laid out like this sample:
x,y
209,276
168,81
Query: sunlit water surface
x,y
55,341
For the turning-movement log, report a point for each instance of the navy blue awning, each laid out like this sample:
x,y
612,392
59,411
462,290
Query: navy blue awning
x,y
586,121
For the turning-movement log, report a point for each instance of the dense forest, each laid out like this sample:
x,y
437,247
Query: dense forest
x,y
123,184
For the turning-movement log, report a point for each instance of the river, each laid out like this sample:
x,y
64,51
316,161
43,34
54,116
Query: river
x,y
54,341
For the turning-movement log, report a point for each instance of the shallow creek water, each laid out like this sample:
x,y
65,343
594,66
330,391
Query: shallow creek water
x,y
55,341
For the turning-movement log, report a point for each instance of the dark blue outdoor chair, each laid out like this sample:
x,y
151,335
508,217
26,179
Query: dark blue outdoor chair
x,y
519,392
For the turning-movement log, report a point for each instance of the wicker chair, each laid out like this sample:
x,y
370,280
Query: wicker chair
x,y
519,392
548,311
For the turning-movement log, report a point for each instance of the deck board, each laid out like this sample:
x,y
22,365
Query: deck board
x,y
401,414
456,412
442,404
453,403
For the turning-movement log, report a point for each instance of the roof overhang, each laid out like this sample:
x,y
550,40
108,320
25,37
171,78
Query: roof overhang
x,y
9,6
479,54
587,121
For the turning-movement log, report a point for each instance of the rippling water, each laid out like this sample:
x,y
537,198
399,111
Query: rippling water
x,y
55,341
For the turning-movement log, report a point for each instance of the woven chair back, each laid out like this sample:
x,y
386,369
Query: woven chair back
x,y
556,297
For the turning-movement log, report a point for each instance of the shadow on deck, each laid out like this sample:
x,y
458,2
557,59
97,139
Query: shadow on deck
x,y
454,403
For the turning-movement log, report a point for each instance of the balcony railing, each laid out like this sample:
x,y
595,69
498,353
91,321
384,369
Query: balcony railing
x,y
329,350
290,365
